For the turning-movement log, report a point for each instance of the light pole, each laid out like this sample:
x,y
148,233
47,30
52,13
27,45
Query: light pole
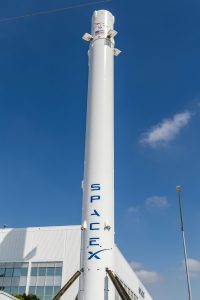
x,y
178,189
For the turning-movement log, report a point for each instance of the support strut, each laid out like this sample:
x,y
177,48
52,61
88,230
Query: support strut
x,y
67,285
119,287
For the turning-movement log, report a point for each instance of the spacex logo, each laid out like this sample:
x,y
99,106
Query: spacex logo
x,y
95,226
95,254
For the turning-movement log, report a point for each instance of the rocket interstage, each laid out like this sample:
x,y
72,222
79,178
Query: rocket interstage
x,y
97,250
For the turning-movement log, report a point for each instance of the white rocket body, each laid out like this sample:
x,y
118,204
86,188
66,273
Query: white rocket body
x,y
98,184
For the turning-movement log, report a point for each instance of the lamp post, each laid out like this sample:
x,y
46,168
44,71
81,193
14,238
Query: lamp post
x,y
178,189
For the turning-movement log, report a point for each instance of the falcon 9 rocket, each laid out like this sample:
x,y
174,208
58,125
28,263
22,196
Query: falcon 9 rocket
x,y
97,250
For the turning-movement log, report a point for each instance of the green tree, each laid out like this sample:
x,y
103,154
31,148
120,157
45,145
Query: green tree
x,y
27,297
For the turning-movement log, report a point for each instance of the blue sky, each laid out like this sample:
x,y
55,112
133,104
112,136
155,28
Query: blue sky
x,y
43,88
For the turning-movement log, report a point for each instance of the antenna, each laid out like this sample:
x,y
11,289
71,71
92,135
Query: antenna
x,y
178,189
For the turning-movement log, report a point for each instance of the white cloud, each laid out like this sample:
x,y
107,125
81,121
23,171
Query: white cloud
x,y
164,132
148,277
134,212
135,265
193,266
144,275
157,201
133,209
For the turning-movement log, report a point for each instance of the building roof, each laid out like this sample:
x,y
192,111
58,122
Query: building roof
x,y
48,228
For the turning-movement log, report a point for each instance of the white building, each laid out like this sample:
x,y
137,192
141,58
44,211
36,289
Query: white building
x,y
41,260
6,296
